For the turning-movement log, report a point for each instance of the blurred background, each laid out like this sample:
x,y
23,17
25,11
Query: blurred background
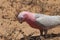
x,y
11,29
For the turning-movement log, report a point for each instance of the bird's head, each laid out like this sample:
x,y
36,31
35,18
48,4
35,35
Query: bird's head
x,y
22,16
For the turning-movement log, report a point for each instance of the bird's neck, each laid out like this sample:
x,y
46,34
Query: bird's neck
x,y
31,17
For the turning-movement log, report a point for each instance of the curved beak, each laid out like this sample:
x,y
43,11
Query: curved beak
x,y
20,20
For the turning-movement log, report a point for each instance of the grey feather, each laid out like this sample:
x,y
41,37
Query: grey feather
x,y
48,21
40,15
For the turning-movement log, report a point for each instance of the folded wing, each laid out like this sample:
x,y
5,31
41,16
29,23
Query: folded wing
x,y
48,21
40,15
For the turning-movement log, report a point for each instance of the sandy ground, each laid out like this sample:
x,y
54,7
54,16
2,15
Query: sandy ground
x,y
11,29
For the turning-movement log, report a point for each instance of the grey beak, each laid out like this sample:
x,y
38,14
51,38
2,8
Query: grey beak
x,y
20,20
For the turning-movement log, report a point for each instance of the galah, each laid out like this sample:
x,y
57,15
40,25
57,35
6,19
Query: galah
x,y
39,21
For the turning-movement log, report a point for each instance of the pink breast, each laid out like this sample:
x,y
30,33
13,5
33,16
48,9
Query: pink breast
x,y
33,24
31,21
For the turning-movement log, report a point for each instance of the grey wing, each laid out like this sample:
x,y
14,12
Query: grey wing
x,y
48,21
40,15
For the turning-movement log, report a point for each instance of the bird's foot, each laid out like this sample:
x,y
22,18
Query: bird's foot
x,y
42,38
46,36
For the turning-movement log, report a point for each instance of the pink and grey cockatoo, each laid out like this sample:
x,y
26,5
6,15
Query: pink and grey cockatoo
x,y
39,21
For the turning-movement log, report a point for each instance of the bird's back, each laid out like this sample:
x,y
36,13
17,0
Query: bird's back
x,y
40,15
49,21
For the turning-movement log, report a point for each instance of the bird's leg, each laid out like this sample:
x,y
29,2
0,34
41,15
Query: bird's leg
x,y
45,33
41,32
